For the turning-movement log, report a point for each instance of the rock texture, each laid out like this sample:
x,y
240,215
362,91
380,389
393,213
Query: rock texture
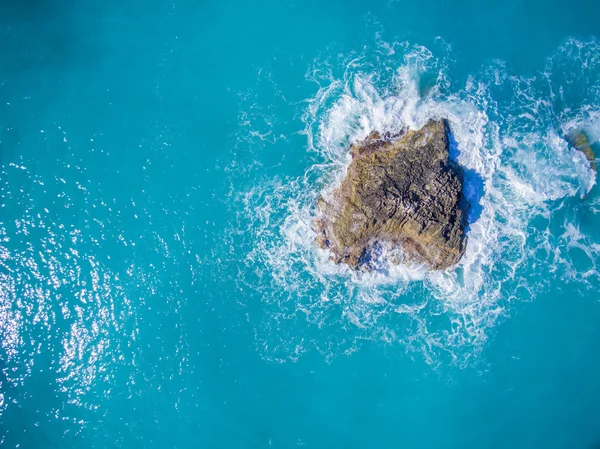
x,y
402,190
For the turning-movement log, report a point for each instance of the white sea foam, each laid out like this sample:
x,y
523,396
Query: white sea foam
x,y
518,167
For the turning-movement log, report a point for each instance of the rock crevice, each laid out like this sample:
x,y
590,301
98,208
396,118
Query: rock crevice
x,y
402,190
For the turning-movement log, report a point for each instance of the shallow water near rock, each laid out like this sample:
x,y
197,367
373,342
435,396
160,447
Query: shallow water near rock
x,y
159,282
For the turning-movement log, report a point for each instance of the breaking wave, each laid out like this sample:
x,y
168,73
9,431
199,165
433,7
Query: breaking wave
x,y
529,188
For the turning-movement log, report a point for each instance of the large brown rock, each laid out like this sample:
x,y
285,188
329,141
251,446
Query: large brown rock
x,y
403,190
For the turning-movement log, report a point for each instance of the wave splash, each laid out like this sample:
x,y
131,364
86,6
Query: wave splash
x,y
527,184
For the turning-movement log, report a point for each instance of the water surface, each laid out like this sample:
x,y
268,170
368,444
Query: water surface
x,y
159,287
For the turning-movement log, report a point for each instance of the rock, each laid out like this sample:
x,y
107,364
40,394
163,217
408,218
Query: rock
x,y
579,141
401,190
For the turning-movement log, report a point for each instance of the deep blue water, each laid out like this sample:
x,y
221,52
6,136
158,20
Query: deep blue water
x,y
159,166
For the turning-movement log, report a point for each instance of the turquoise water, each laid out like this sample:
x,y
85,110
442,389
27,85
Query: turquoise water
x,y
159,287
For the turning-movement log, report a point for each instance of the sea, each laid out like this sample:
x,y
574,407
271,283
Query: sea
x,y
160,163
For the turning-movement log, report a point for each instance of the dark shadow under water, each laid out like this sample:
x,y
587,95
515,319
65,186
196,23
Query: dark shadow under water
x,y
473,185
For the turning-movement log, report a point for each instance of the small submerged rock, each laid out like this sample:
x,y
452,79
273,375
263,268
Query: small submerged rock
x,y
579,141
402,190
